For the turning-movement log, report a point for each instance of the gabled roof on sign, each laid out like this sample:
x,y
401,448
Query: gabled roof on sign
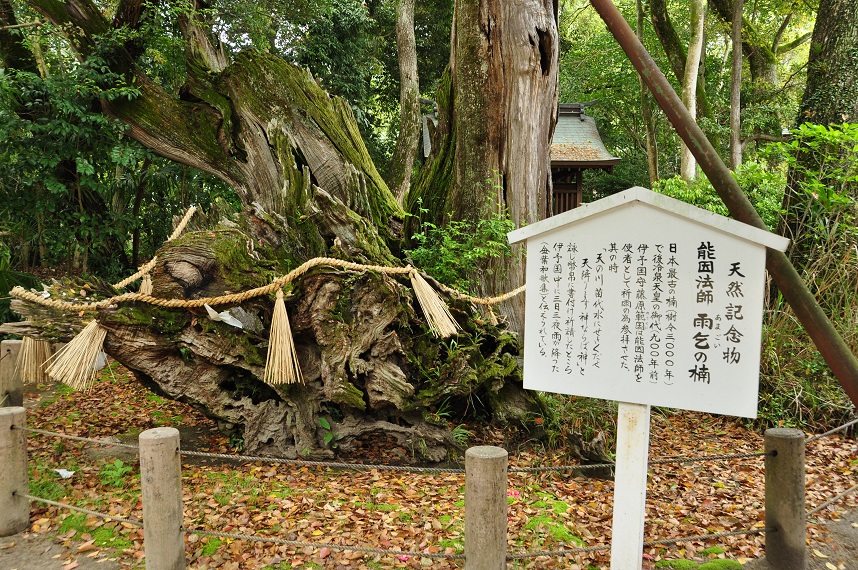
x,y
667,204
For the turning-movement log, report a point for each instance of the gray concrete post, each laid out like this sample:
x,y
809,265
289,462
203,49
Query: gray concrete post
x,y
11,387
14,506
485,508
785,506
161,484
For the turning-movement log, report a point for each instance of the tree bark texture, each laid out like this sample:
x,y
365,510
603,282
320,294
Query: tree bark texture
x,y
760,51
408,139
675,51
830,98
497,108
736,87
13,53
688,165
308,189
647,106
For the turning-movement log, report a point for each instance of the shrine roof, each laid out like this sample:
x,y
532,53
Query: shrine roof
x,y
666,204
576,140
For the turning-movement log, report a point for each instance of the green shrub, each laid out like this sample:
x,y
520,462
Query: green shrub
x,y
452,252
114,474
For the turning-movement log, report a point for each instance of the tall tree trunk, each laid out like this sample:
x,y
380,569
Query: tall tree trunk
x,y
135,212
736,87
13,53
409,102
688,167
497,109
830,98
676,54
647,107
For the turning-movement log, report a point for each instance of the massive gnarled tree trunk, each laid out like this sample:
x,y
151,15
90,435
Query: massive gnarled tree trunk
x,y
497,106
308,188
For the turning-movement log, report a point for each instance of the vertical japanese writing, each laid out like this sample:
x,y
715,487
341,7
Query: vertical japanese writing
x,y
543,299
733,314
556,304
657,311
626,306
670,313
598,310
584,315
655,318
640,310
702,323
571,278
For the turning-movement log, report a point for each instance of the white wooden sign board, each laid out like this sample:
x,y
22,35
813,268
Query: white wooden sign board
x,y
645,300
642,298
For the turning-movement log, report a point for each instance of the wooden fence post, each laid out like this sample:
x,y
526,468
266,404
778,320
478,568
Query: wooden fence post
x,y
161,484
785,506
14,506
485,508
11,387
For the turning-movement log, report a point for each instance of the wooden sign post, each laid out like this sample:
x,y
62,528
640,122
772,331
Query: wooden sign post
x,y
644,300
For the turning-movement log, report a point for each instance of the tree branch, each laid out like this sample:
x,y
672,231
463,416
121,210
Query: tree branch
x,y
19,26
13,53
763,137
780,33
175,129
795,43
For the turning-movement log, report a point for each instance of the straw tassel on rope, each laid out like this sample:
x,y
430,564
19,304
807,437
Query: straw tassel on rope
x,y
281,365
146,285
438,316
76,363
31,361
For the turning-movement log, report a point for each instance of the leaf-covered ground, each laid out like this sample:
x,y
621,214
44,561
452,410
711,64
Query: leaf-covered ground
x,y
397,510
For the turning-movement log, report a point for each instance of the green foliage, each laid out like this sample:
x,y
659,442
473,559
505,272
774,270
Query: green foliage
x,y
76,189
73,522
236,441
567,415
451,252
825,158
547,525
115,474
763,186
211,545
797,387
329,437
10,279
461,435
44,484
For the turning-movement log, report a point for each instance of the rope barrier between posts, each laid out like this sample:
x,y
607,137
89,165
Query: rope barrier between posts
x,y
83,439
832,500
831,431
296,543
82,510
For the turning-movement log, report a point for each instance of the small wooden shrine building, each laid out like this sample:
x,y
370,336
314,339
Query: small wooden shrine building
x,y
576,147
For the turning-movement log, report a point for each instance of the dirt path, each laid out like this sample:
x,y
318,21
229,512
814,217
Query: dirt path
x,y
30,551
837,548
